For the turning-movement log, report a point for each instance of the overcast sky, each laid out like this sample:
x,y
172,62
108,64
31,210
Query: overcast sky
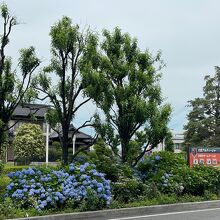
x,y
187,32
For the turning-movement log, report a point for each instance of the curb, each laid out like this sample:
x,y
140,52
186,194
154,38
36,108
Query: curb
x,y
129,212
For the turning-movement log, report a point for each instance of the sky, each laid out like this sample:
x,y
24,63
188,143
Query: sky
x,y
187,32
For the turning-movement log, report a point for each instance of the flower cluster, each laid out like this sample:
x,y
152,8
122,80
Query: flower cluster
x,y
44,188
148,167
165,178
157,157
171,184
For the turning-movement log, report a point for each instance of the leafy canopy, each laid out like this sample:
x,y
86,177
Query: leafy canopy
x,y
60,81
203,127
130,95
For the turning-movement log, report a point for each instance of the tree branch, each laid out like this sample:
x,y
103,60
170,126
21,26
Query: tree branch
x,y
82,103
142,154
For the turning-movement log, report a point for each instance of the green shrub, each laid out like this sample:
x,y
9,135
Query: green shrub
x,y
1,166
7,209
4,181
201,179
8,168
127,190
158,164
171,174
29,143
105,161
92,202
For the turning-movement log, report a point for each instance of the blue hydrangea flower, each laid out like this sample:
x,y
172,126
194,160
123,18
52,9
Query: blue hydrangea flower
x,y
157,157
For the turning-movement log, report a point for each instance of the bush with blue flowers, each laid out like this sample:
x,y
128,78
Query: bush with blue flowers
x,y
47,188
164,169
171,175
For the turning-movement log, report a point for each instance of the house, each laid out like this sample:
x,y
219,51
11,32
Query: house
x,y
81,139
178,141
35,113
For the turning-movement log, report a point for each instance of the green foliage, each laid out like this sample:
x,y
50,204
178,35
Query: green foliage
x,y
28,143
203,127
128,189
1,166
4,181
106,162
170,173
130,95
163,161
14,87
92,202
8,209
169,145
102,156
202,179
10,168
69,45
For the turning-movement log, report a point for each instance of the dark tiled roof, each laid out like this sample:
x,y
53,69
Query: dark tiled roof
x,y
79,135
26,110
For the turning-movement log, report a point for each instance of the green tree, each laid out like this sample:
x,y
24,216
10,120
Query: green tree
x,y
130,95
13,89
68,46
203,127
29,143
169,145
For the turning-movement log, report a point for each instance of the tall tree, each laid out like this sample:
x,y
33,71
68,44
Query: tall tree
x,y
12,88
203,127
130,95
68,46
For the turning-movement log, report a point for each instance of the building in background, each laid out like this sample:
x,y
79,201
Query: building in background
x,y
77,139
178,140
35,113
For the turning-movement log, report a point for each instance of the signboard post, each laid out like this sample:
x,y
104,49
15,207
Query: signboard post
x,y
209,156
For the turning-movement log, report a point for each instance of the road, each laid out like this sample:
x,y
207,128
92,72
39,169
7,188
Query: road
x,y
205,214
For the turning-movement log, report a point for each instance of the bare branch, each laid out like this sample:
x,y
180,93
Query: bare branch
x,y
85,124
82,103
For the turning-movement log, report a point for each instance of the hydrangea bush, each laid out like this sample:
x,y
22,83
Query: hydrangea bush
x,y
171,175
163,169
47,188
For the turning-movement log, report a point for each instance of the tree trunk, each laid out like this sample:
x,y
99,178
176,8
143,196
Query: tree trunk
x,y
65,147
124,150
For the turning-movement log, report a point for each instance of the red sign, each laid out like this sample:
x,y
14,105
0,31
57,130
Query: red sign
x,y
204,155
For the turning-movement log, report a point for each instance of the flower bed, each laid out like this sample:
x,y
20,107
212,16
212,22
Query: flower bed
x,y
46,188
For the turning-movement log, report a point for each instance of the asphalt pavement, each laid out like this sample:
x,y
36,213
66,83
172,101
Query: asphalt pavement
x,y
204,214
